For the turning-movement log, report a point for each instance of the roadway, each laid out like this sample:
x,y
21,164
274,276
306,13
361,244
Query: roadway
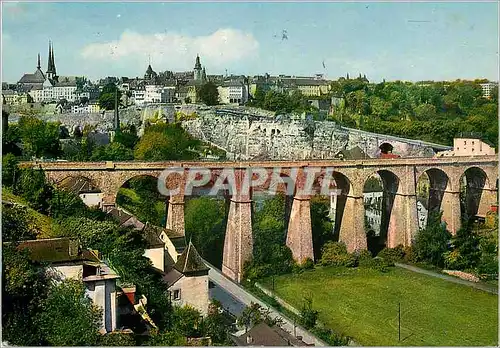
x,y
234,298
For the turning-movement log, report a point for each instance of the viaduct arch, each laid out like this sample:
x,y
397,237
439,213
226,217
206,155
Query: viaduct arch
x,y
398,175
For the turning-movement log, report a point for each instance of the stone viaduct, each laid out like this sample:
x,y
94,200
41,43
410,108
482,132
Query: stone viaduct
x,y
399,177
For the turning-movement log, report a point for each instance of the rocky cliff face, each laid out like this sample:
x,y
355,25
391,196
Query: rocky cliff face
x,y
266,138
248,133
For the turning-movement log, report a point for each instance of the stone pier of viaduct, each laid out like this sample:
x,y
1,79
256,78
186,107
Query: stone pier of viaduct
x,y
399,177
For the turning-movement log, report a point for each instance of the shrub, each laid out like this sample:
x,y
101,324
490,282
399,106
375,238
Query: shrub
x,y
409,255
308,316
453,260
335,254
253,271
365,259
307,264
432,242
392,255
331,337
488,266
381,264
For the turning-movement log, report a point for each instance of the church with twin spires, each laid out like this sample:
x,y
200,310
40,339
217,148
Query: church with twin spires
x,y
48,86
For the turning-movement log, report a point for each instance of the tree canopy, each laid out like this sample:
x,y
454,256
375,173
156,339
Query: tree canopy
x,y
209,94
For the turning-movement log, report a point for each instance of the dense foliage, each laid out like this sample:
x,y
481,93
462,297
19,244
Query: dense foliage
x,y
270,254
433,241
429,111
209,94
140,197
163,142
108,95
68,317
36,311
282,102
205,222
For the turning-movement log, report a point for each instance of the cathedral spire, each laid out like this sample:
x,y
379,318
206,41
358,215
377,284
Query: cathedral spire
x,y
51,66
53,61
49,60
38,65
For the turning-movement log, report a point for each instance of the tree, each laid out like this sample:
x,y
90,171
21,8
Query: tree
x,y
39,138
433,241
165,142
308,316
10,170
69,318
112,152
108,95
322,227
167,338
255,314
204,219
64,204
215,324
209,94
466,252
99,235
34,188
23,286
127,137
270,254
117,340
425,112
187,321
16,224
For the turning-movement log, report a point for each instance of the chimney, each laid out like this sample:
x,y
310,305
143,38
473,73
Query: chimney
x,y
130,293
249,339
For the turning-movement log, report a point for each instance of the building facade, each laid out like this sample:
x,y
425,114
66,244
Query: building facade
x,y
488,88
468,146
233,92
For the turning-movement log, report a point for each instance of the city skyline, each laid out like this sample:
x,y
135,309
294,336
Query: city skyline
x,y
393,41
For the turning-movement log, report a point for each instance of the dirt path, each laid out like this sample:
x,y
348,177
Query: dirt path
x,y
480,286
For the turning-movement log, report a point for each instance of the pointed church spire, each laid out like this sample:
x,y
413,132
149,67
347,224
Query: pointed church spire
x,y
53,61
197,64
204,75
49,60
38,65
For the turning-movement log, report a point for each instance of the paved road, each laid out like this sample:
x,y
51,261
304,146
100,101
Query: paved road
x,y
232,304
233,294
480,286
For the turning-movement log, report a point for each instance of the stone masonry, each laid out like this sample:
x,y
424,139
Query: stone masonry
x,y
399,176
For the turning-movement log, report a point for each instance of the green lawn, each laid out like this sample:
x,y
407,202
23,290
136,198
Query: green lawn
x,y
46,227
363,304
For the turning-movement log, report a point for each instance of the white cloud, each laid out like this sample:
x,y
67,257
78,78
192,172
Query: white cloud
x,y
174,51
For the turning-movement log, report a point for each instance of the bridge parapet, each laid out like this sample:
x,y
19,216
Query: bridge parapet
x,y
400,177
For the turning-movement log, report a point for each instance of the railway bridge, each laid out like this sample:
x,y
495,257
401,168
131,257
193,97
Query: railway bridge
x,y
399,178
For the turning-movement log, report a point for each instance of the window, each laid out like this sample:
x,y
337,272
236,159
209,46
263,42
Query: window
x,y
177,294
465,142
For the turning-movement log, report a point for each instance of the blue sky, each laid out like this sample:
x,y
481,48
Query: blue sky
x,y
406,41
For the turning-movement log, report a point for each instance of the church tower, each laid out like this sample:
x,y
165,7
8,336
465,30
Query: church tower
x,y
51,65
197,69
204,75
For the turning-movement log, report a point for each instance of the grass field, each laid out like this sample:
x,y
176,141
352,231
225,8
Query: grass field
x,y
363,304
44,224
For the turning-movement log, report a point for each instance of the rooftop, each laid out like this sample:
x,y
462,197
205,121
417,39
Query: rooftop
x,y
57,250
78,185
190,261
151,234
264,335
